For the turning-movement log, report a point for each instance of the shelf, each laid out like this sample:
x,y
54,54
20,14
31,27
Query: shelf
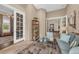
x,y
35,29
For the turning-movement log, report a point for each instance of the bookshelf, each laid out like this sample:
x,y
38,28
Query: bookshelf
x,y
35,29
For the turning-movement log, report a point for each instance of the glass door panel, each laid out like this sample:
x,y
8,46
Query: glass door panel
x,y
18,26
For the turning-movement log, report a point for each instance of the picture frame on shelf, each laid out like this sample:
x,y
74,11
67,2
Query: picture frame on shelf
x,y
51,29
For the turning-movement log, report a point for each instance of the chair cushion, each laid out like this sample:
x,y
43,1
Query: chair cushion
x,y
64,47
77,38
44,39
74,50
65,38
74,43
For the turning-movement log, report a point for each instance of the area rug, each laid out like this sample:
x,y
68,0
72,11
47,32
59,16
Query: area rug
x,y
41,48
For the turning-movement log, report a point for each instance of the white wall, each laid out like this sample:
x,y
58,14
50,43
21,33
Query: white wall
x,y
30,13
70,9
42,18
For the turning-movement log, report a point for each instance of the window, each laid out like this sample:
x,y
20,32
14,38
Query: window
x,y
6,24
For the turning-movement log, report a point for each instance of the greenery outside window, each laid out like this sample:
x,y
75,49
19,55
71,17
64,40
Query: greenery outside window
x,y
6,24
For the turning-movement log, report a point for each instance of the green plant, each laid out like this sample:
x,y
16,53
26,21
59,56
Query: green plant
x,y
5,26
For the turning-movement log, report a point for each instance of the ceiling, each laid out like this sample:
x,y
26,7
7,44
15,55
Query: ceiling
x,y
50,7
47,7
6,10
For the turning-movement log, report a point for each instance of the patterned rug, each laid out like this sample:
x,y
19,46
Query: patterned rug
x,y
41,48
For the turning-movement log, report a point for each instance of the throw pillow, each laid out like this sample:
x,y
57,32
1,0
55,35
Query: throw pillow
x,y
73,44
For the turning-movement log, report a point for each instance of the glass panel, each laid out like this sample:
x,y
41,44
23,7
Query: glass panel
x,y
6,24
19,26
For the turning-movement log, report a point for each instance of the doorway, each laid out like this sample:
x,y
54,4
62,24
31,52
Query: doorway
x,y
59,25
11,26
6,26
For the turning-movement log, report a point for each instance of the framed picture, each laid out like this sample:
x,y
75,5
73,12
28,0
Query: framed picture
x,y
72,19
51,29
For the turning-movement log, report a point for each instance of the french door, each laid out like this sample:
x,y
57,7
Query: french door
x,y
19,32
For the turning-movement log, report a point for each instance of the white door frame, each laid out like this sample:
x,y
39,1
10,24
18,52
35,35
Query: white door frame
x,y
15,10
49,19
17,40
